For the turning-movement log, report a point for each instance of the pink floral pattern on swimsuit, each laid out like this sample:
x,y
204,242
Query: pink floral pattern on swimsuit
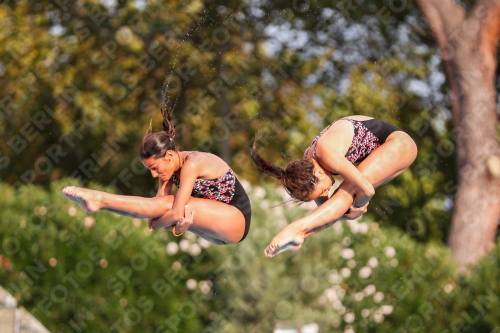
x,y
220,189
313,143
363,142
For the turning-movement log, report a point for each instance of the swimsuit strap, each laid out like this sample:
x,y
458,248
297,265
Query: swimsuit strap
x,y
363,142
315,141
185,157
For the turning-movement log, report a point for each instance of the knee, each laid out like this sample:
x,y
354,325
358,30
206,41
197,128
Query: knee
x,y
168,201
413,151
409,147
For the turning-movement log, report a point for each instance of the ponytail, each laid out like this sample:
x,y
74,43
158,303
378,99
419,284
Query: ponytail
x,y
158,143
298,177
168,124
264,166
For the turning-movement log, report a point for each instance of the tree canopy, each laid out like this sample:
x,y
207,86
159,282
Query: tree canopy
x,y
82,82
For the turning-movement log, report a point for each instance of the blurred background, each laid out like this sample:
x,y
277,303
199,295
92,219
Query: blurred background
x,y
81,82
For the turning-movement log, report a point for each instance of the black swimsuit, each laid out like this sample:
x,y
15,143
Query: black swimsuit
x,y
227,188
380,128
368,135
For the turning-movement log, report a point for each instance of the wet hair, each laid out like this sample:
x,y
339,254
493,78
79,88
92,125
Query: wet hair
x,y
298,176
156,144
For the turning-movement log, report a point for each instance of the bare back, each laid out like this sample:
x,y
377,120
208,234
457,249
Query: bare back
x,y
338,136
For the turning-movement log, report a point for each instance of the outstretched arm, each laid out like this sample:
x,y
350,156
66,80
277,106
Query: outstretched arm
x,y
333,209
321,200
292,236
328,213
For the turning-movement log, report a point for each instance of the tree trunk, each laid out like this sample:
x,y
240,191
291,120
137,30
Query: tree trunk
x,y
468,48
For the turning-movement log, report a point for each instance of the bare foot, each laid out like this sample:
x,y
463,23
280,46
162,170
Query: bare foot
x,y
286,240
89,200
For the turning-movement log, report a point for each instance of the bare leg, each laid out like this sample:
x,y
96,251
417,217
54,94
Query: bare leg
x,y
205,236
382,165
139,207
215,221
202,235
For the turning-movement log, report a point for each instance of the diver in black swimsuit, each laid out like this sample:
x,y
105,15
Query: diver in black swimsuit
x,y
366,152
210,188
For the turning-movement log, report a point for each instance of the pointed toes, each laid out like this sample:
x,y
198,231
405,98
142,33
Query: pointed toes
x,y
69,190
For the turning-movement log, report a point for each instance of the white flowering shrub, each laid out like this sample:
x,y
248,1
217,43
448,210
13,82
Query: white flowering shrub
x,y
103,272
78,272
352,277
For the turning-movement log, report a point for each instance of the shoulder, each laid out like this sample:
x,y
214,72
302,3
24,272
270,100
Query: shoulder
x,y
341,126
326,152
204,165
197,160
194,157
337,138
192,161
328,158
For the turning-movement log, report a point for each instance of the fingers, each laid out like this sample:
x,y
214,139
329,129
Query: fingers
x,y
365,207
185,222
151,223
355,212
182,225
189,212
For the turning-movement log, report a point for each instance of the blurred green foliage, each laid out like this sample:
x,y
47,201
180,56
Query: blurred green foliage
x,y
106,273
82,80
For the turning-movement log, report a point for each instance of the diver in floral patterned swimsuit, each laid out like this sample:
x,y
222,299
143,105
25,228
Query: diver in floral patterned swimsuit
x,y
209,187
364,151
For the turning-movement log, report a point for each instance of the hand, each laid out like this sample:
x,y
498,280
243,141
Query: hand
x,y
155,223
355,212
361,198
186,221
151,223
161,188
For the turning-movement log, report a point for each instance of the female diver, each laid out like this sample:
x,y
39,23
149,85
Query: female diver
x,y
209,187
364,151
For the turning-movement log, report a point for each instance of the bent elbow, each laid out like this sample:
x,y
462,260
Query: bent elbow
x,y
369,191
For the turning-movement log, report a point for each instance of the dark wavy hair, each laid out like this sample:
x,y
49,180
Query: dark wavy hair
x,y
156,144
298,176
